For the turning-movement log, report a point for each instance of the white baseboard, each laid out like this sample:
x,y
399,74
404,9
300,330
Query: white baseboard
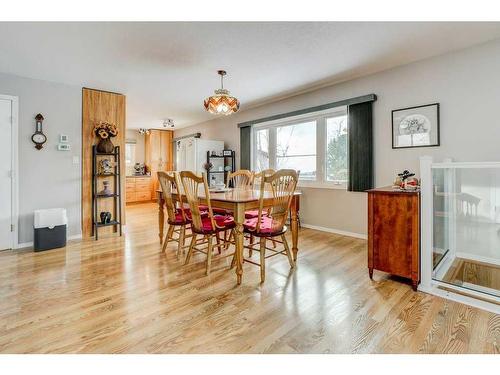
x,y
336,231
23,245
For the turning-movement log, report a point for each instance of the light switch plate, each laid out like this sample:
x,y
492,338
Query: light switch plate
x,y
63,147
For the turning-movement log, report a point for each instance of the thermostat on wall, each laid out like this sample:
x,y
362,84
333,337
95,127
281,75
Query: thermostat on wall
x,y
63,147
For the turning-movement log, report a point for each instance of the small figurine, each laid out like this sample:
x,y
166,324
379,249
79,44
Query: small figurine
x,y
406,181
106,166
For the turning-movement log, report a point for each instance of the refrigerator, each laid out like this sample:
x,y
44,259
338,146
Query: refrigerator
x,y
191,155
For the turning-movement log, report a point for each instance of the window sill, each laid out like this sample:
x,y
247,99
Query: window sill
x,y
321,185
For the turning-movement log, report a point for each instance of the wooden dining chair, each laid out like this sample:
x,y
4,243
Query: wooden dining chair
x,y
241,179
256,182
209,226
178,217
268,225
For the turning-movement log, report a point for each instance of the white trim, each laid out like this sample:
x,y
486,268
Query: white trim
x,y
15,167
322,185
469,164
336,231
301,118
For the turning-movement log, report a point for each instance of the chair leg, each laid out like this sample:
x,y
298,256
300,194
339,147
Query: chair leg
x,y
190,251
250,251
217,237
209,255
288,252
182,236
170,233
262,259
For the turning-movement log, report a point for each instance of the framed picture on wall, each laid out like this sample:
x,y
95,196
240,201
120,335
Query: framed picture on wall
x,y
416,126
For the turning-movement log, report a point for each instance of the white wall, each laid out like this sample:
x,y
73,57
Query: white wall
x,y
47,178
466,83
134,135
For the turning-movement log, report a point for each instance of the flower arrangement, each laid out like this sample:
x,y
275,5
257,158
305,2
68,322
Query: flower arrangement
x,y
105,130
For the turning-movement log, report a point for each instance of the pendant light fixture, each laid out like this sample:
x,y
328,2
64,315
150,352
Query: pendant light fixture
x,y
221,103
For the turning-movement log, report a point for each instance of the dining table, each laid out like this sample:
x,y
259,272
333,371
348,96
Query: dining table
x,y
236,201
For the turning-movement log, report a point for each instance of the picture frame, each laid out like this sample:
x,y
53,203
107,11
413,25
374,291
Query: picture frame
x,y
416,126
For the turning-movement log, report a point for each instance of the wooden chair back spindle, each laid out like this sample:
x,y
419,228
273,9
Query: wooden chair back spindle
x,y
191,183
241,179
169,182
257,178
282,184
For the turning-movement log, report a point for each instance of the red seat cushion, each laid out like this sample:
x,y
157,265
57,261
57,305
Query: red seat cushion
x,y
265,229
179,220
215,210
251,214
224,221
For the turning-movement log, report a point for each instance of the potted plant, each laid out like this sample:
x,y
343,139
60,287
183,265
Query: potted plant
x,y
105,131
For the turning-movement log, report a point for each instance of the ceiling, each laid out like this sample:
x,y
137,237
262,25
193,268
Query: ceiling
x,y
167,69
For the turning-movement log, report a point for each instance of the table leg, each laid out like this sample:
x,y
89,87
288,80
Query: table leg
x,y
161,216
295,227
239,218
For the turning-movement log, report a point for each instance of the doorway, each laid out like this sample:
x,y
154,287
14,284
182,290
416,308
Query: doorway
x,y
8,171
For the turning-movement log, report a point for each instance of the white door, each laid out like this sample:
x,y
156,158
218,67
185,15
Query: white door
x,y
6,168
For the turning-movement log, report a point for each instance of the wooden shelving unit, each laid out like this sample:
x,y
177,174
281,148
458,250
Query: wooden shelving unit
x,y
116,196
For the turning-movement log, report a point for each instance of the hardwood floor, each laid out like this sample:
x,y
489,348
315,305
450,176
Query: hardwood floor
x,y
122,295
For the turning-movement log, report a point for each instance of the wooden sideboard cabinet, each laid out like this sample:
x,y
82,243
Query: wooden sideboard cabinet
x,y
138,189
394,233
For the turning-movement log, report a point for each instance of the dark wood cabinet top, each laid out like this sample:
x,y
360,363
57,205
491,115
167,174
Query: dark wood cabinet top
x,y
391,190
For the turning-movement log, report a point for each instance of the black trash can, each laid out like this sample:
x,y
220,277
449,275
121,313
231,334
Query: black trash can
x,y
50,229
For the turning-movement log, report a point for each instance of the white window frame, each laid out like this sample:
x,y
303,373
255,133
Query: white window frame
x,y
321,144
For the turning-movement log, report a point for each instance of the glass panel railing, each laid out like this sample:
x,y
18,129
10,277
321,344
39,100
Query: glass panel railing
x,y
466,233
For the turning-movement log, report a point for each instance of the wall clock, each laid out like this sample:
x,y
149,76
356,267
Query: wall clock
x,y
38,137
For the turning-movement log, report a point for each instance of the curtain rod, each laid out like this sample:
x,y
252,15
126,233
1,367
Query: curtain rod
x,y
356,100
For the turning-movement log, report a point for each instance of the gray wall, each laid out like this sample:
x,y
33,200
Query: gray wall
x,y
466,83
47,178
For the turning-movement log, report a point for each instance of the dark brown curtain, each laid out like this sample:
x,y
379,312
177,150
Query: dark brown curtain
x,y
360,147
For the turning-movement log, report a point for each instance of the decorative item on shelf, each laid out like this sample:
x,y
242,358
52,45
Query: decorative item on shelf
x,y
416,126
208,166
38,137
406,181
105,131
227,168
213,153
221,103
106,191
227,152
105,217
106,166
139,169
143,131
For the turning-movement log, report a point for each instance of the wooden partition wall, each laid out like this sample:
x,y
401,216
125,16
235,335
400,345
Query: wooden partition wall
x,y
100,106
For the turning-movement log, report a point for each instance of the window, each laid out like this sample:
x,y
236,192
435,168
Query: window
x,y
262,149
296,148
315,144
336,149
129,157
